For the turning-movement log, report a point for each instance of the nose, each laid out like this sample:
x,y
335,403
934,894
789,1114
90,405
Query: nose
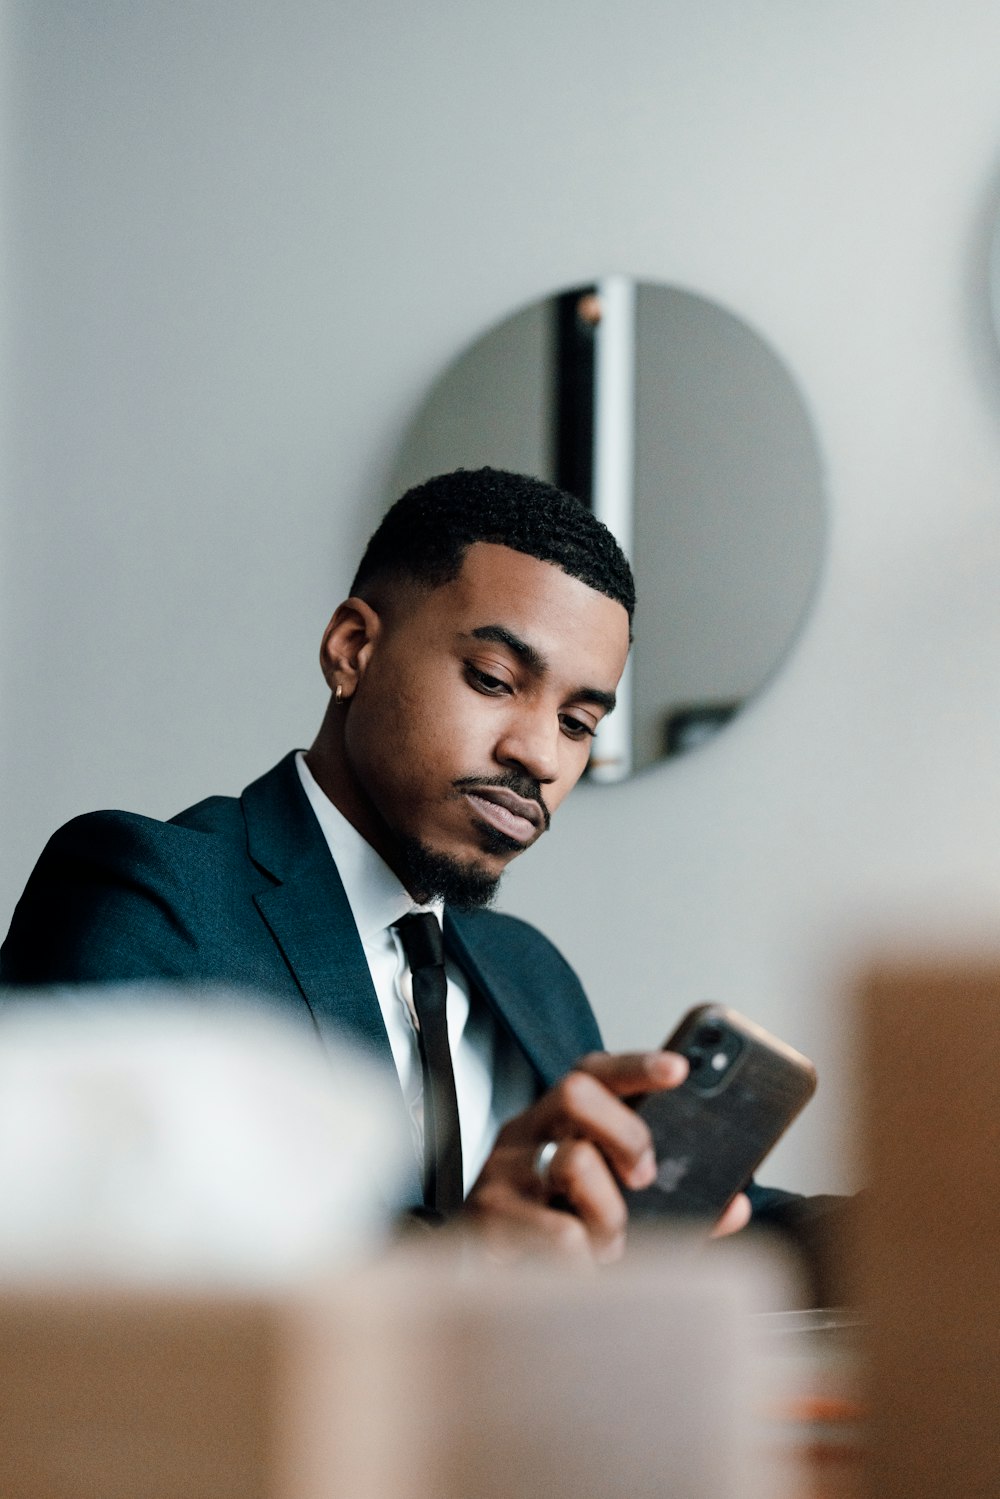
x,y
530,742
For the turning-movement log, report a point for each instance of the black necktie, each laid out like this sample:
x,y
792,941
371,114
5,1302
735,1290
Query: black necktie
x,y
423,944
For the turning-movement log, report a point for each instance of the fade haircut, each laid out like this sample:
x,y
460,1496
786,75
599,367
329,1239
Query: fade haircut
x,y
426,534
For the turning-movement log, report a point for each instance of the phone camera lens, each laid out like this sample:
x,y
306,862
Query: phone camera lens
x,y
710,1035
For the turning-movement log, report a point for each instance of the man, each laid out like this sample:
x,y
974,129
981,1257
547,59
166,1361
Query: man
x,y
486,631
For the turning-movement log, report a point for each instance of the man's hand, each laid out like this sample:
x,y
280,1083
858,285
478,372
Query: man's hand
x,y
576,1207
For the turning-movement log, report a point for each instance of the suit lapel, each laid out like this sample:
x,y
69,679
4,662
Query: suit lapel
x,y
309,916
307,910
486,961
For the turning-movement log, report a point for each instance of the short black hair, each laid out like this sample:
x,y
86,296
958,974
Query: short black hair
x,y
426,534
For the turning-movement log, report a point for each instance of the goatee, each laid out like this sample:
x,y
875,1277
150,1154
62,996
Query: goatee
x,y
433,876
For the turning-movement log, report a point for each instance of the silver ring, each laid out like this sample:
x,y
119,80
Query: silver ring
x,y
543,1161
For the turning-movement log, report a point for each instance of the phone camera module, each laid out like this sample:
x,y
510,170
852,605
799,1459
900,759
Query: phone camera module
x,y
711,1055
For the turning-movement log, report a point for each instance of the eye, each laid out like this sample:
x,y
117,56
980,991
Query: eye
x,y
576,728
484,681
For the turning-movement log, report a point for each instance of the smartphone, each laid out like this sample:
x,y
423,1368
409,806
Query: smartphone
x,y
742,1092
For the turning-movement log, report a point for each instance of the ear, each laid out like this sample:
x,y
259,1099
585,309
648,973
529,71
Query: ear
x,y
348,643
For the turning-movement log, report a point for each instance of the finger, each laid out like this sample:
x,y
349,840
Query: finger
x,y
581,1107
514,1225
735,1217
632,1072
580,1175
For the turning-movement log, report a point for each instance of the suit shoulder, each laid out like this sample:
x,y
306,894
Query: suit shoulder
x,y
211,815
219,815
112,835
118,896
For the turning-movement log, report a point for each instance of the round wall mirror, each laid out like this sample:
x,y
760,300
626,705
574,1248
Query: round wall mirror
x,y
686,434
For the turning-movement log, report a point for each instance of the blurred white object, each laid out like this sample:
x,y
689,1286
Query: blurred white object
x,y
540,1380
150,1137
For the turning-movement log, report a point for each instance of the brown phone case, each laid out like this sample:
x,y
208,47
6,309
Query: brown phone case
x,y
712,1132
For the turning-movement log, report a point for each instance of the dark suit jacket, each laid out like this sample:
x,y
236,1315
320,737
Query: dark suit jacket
x,y
244,892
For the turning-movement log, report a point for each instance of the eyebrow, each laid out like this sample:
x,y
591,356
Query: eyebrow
x,y
536,663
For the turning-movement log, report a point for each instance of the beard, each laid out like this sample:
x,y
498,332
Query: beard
x,y
457,882
463,883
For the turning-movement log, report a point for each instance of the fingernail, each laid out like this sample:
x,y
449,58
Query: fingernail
x,y
644,1170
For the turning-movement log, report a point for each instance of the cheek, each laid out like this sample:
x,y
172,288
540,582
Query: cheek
x,y
412,737
441,713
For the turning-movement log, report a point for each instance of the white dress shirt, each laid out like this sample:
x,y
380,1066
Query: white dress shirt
x,y
493,1078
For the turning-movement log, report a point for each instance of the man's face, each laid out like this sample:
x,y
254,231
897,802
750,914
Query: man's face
x,y
474,712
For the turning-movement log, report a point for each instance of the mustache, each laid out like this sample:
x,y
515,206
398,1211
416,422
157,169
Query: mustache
x,y
521,785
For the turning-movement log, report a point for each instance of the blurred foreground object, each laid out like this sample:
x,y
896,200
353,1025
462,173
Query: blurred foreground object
x,y
432,1375
155,1138
814,1413
929,1269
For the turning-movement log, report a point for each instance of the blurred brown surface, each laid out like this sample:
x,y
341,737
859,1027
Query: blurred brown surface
x,y
928,1262
130,1394
98,1390
427,1377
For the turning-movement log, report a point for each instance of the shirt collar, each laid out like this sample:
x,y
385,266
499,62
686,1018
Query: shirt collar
x,y
376,896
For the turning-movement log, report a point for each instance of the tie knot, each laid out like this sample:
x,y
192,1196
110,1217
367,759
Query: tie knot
x,y
423,944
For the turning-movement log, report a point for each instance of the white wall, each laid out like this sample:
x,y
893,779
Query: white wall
x,y
246,238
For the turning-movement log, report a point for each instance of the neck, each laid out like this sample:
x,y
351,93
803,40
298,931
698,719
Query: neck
x,y
329,766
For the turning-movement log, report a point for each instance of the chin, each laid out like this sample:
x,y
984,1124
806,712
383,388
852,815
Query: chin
x,y
468,883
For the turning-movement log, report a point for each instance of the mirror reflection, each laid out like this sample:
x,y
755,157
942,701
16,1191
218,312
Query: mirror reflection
x,y
687,435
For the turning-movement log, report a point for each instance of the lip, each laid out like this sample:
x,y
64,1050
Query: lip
x,y
509,813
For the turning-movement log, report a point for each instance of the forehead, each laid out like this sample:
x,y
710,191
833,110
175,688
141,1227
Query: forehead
x,y
580,632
